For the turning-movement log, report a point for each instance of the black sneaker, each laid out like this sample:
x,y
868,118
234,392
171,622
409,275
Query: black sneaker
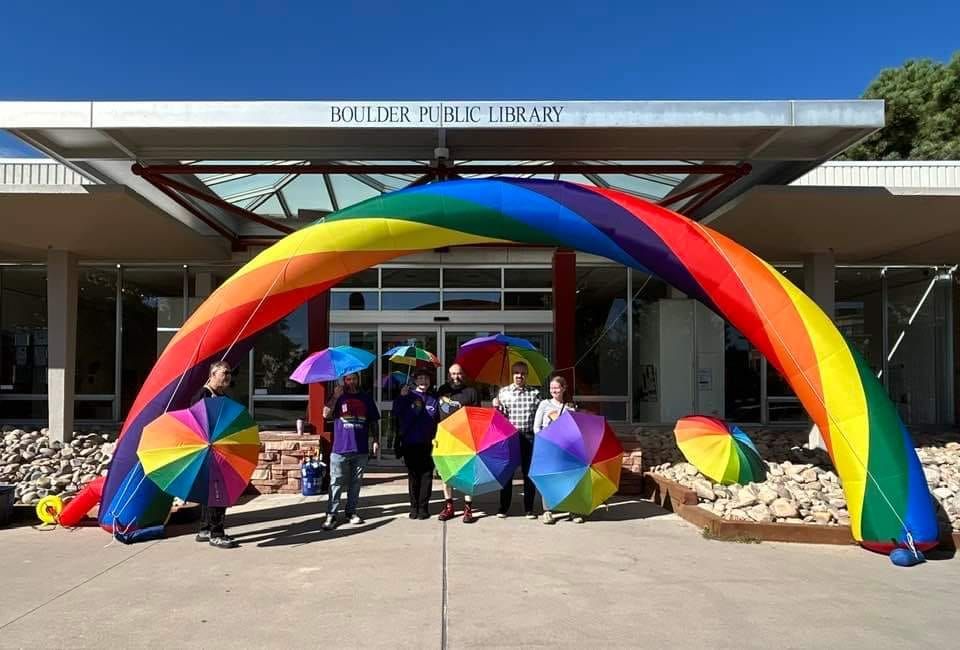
x,y
423,515
203,536
223,542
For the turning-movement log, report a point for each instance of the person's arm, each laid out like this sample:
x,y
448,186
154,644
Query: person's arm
x,y
500,403
539,417
332,402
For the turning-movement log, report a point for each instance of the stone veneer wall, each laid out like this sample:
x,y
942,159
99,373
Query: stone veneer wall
x,y
281,453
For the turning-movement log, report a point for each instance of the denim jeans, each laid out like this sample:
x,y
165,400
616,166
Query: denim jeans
x,y
345,468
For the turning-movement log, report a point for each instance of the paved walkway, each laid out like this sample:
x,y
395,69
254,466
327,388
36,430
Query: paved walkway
x,y
631,577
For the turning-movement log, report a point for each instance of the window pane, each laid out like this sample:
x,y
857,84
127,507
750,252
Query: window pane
x,y
366,279
201,282
786,411
426,300
93,409
158,290
858,310
478,300
354,300
23,336
535,300
741,378
18,409
152,299
528,278
410,278
277,353
648,291
601,331
918,305
365,340
96,332
466,278
280,413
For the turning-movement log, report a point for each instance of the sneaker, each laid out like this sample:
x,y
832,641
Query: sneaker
x,y
223,542
203,536
423,515
329,523
447,512
577,519
501,515
468,517
412,514
530,515
548,518
355,519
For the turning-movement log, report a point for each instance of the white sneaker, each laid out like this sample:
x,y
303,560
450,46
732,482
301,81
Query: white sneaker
x,y
548,518
355,519
329,523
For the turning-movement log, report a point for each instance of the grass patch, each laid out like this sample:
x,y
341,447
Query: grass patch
x,y
739,539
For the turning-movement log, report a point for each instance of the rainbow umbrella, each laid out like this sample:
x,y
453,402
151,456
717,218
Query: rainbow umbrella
x,y
476,450
489,359
204,454
722,452
411,355
576,462
331,363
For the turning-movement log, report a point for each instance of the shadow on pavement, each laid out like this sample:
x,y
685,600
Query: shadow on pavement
x,y
304,532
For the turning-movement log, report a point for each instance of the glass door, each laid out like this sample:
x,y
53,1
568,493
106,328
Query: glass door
x,y
453,338
393,376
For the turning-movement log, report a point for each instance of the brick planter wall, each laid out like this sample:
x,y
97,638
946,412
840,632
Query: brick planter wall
x,y
281,453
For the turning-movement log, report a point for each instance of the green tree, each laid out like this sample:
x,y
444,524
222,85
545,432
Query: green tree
x,y
923,113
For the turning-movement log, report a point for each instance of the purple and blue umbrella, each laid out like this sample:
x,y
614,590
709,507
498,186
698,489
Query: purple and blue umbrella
x,y
331,363
576,462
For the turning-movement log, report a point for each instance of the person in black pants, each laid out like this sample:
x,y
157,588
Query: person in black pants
x,y
519,402
416,413
212,518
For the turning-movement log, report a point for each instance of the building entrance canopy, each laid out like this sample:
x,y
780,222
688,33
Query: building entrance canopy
x,y
250,172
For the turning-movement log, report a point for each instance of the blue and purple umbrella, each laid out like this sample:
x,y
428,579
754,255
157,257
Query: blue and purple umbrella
x,y
331,363
576,462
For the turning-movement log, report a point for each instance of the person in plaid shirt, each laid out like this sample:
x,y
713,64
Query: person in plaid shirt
x,y
519,402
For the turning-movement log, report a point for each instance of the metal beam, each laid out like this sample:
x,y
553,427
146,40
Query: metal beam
x,y
552,168
222,230
157,178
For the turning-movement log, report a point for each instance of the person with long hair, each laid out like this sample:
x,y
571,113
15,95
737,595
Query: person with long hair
x,y
547,411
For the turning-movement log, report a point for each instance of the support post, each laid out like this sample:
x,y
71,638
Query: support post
x,y
564,315
62,281
318,337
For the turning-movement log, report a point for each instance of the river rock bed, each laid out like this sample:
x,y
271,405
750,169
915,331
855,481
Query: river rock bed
x,y
38,466
801,484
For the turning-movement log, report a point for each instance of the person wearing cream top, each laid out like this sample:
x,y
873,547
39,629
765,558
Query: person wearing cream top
x,y
547,411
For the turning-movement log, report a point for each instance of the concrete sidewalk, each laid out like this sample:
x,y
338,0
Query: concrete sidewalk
x,y
631,576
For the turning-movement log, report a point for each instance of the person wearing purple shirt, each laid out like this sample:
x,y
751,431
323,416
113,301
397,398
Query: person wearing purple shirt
x,y
355,417
416,412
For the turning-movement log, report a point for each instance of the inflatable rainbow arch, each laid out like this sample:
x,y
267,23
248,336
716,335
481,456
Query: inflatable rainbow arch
x,y
886,491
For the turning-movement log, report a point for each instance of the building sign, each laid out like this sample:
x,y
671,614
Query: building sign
x,y
446,114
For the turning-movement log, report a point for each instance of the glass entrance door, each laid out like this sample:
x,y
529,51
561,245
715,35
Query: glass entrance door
x,y
393,376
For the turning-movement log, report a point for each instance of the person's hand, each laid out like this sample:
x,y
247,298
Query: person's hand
x,y
405,390
337,391
376,448
496,402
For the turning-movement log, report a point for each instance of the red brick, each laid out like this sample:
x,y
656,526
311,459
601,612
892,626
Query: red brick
x,y
289,460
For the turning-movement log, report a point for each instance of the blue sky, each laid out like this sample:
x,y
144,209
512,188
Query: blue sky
x,y
208,49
